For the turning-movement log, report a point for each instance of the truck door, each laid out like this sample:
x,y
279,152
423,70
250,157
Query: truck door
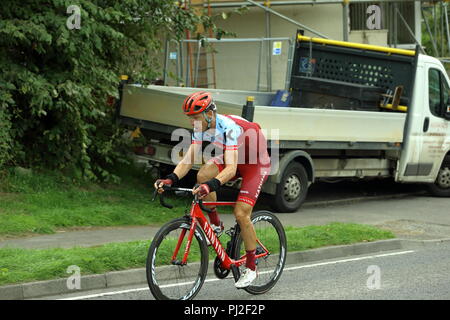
x,y
433,130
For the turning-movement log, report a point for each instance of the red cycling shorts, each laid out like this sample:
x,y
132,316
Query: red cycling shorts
x,y
253,177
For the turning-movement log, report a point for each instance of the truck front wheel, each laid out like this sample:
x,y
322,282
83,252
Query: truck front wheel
x,y
292,190
441,187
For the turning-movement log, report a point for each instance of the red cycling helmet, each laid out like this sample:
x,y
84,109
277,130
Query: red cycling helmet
x,y
198,102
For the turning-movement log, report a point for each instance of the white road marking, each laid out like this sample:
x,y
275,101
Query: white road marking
x,y
215,279
348,260
105,294
132,290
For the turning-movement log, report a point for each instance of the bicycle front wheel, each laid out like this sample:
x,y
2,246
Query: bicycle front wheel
x,y
270,234
167,278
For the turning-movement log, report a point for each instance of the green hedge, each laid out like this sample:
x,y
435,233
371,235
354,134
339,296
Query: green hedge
x,y
5,138
55,79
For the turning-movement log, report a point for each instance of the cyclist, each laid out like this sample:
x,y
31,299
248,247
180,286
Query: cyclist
x,y
240,155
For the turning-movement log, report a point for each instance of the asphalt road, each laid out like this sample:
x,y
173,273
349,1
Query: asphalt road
x,y
397,275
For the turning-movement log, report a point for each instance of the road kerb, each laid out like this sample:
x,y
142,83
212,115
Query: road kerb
x,y
421,244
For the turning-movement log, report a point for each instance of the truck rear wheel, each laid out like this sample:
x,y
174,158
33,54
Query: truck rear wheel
x,y
441,187
292,189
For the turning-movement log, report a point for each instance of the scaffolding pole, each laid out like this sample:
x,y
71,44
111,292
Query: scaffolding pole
x,y
441,31
238,4
429,31
345,19
409,30
269,56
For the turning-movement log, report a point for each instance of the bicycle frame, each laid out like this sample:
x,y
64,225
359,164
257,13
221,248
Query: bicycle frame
x,y
198,217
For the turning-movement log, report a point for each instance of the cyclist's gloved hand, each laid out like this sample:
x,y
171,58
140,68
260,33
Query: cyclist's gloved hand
x,y
202,190
170,180
206,188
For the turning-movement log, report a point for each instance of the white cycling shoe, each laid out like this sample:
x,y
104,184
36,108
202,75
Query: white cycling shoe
x,y
247,277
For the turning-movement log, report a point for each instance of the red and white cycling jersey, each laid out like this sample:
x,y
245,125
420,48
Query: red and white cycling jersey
x,y
236,133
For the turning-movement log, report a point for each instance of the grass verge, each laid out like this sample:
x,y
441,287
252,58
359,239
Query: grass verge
x,y
24,265
33,202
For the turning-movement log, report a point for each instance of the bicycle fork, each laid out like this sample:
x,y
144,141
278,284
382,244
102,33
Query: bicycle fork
x,y
184,230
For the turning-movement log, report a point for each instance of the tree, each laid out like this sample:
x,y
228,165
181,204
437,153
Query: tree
x,y
61,60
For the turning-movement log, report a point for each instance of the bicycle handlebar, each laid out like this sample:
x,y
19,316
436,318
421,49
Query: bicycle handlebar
x,y
181,191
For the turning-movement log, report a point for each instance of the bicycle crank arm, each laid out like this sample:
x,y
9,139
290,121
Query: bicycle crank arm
x,y
235,271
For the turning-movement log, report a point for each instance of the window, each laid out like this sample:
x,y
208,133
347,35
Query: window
x,y
438,92
446,92
434,91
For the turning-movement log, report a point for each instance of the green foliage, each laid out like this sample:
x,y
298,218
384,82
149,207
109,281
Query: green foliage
x,y
5,138
432,14
55,80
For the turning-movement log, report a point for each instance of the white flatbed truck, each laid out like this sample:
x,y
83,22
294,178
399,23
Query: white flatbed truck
x,y
355,111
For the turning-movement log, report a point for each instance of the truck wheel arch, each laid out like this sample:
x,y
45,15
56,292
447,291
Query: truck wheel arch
x,y
294,174
299,156
436,189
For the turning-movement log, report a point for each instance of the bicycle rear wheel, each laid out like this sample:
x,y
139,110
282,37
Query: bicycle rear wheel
x,y
270,233
169,280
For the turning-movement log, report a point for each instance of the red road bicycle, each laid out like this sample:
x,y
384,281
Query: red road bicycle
x,y
177,262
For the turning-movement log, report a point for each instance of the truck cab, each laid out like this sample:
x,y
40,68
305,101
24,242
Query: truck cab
x,y
425,155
